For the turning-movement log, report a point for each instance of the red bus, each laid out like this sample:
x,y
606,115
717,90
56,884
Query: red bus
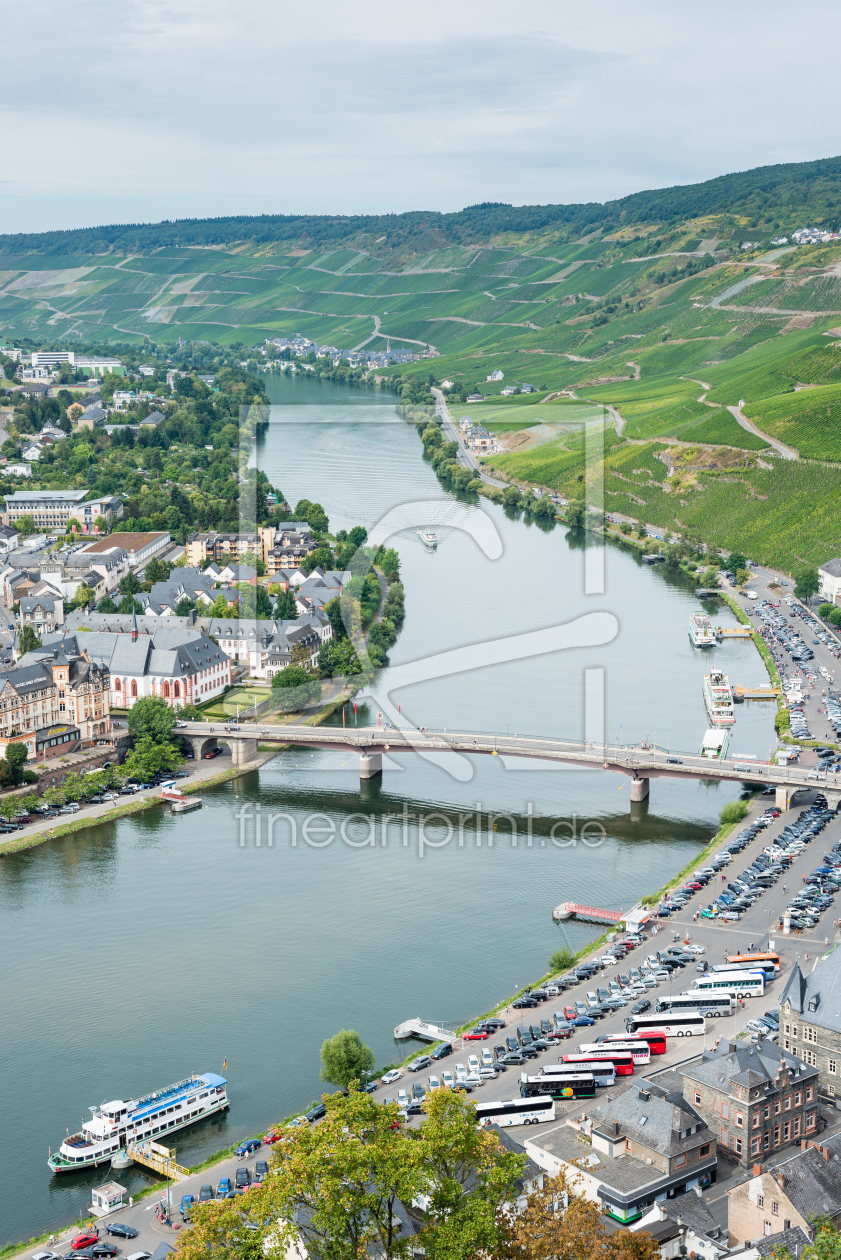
x,y
623,1064
655,1038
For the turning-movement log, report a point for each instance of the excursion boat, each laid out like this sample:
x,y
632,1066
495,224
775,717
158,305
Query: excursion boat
x,y
701,631
428,537
116,1124
715,744
719,698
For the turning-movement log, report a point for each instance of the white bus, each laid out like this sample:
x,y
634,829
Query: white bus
x,y
742,983
516,1111
764,965
602,1070
672,1024
706,1004
638,1050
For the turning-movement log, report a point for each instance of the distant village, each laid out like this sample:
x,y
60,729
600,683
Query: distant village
x,y
301,347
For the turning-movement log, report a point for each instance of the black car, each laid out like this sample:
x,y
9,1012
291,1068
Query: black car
x,y
514,1060
125,1231
441,1052
98,1251
523,1002
492,1022
206,1193
414,1107
316,1113
261,1167
418,1091
242,1179
526,1052
639,1007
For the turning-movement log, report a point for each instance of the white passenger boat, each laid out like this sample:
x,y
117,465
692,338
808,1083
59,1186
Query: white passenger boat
x,y
115,1124
715,743
701,630
428,537
719,698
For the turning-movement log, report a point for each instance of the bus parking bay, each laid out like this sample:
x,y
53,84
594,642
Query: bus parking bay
x,y
758,924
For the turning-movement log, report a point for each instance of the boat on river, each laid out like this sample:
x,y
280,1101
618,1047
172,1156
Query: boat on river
x,y
116,1124
715,743
718,698
429,538
701,631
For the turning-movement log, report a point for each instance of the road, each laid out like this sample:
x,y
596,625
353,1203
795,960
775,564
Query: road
x,y
787,452
466,459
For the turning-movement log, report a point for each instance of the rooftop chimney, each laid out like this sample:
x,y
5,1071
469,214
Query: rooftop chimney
x,y
757,1170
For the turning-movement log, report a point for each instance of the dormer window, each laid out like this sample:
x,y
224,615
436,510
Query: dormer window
x,y
814,1002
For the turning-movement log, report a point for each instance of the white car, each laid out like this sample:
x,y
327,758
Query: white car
x,y
487,1058
487,1073
434,1083
474,1079
460,1071
393,1075
447,1079
696,949
473,1064
402,1098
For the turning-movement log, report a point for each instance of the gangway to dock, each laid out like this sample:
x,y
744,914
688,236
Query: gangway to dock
x,y
734,632
159,1158
425,1030
571,910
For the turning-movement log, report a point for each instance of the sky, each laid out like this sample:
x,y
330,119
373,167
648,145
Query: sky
x,y
149,110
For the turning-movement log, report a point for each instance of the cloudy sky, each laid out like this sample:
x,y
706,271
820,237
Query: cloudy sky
x,y
148,110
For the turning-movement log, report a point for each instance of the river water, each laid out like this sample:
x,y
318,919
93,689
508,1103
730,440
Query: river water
x,y
139,951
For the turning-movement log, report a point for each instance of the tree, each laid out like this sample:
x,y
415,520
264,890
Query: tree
x,y
28,640
345,1058
151,717
106,605
575,513
511,497
129,584
834,617
158,571
562,959
148,756
84,596
284,609
733,812
736,561
334,613
469,1176
825,609
25,525
184,607
807,583
294,688
16,757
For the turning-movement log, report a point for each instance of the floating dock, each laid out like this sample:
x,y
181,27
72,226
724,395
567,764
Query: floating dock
x,y
734,632
571,910
762,692
423,1029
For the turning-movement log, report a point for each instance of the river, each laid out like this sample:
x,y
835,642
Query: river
x,y
139,951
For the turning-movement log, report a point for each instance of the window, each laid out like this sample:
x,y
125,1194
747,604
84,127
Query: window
x,y
166,690
760,1200
754,1146
740,1122
725,1111
680,1161
810,1120
798,1098
811,1058
832,1066
756,1119
775,1207
810,1093
776,1135
134,687
703,1150
766,1140
777,1106
118,685
723,1137
177,689
797,1126
794,1030
715,1105
767,1111
767,1227
737,1146
788,1102
787,1131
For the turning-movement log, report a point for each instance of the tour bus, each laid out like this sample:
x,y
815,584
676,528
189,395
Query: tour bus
x,y
707,1004
742,983
671,1024
534,1110
653,1036
602,1071
564,1085
764,965
623,1063
637,1049
769,955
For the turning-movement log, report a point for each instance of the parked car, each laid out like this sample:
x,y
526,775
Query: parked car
x,y
441,1052
124,1231
86,1239
421,1062
393,1075
248,1147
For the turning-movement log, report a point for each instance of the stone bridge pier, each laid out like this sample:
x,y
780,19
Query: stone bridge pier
x,y
639,789
242,750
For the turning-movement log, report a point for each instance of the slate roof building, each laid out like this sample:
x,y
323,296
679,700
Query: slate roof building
x,y
52,702
793,1194
810,1020
684,1225
757,1099
180,664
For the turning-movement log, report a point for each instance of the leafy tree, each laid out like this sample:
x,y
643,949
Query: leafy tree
x,y
390,563
736,561
148,756
294,688
285,609
345,1058
25,525
28,640
575,513
16,757
512,497
151,717
83,597
106,605
129,584
562,959
158,571
807,583
184,607
834,617
334,613
128,605
825,609
733,812
469,1179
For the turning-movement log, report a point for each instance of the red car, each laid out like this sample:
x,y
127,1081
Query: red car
x,y
270,1138
87,1239
477,1034
570,1012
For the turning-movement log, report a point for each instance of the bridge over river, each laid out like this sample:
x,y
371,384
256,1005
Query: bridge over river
x,y
640,763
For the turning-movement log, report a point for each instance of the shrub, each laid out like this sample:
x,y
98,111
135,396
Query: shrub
x,y
733,812
562,959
